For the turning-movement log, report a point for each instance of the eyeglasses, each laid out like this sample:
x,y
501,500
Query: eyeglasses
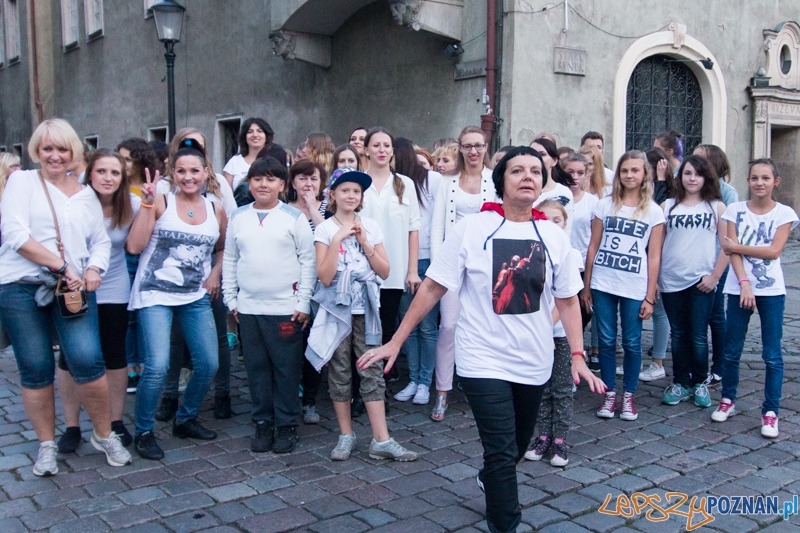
x,y
469,147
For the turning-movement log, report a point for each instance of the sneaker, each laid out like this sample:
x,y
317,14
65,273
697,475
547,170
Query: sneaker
x,y
715,378
310,415
46,459
769,425
122,432
628,411
183,380
675,394
559,457
653,372
69,440
222,407
265,437
167,409
344,447
116,454
702,398
620,370
285,439
725,410
390,449
406,394
133,382
594,363
538,449
233,340
423,395
357,408
609,405
393,375
147,447
192,429
480,481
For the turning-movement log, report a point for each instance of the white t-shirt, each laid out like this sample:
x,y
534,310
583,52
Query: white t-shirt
x,y
505,330
396,221
689,251
351,255
765,275
562,195
582,215
116,285
620,266
236,167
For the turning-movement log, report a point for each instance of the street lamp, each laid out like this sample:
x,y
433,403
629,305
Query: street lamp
x,y
168,15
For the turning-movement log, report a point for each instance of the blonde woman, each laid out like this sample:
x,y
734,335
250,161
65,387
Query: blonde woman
x,y
9,163
320,150
595,170
446,158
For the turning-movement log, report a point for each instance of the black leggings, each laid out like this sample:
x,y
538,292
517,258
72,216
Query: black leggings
x,y
113,322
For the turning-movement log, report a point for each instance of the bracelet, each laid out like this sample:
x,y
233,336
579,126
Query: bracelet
x,y
370,255
578,353
96,269
148,206
61,270
743,280
651,303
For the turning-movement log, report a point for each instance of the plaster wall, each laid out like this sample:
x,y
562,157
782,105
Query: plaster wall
x,y
15,94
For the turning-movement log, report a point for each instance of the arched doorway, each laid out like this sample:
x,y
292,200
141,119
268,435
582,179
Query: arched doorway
x,y
663,94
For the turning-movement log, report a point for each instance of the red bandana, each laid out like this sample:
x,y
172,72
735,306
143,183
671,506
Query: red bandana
x,y
498,208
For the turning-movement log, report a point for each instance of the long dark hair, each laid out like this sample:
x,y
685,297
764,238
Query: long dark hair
x,y
702,166
397,183
122,214
654,155
559,174
405,162
716,156
244,149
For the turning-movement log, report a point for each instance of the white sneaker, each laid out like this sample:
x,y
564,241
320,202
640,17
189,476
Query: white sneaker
x,y
46,459
390,449
116,454
725,410
423,395
652,373
406,394
769,427
344,447
620,370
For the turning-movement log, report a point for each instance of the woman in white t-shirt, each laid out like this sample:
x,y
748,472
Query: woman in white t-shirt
x,y
256,133
757,233
504,350
622,273
688,280
458,196
558,187
105,173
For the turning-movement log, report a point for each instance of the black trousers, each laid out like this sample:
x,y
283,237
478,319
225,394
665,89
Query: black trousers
x,y
505,414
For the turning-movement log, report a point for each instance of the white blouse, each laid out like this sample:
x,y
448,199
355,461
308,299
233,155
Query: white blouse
x,y
25,214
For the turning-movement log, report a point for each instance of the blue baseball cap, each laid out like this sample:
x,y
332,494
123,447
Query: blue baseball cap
x,y
341,175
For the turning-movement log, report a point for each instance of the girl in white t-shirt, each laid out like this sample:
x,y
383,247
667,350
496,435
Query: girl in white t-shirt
x,y
688,280
255,134
757,233
351,260
621,274
557,188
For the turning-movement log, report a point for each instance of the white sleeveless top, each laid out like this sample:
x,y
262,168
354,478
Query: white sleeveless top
x,y
177,260
689,251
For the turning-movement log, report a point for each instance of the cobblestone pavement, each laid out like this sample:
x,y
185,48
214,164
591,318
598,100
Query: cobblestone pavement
x,y
222,486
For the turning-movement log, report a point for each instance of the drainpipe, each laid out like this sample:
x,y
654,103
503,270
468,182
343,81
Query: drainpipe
x,y
489,119
35,63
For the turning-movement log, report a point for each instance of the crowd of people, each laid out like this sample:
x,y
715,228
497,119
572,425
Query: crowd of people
x,y
491,266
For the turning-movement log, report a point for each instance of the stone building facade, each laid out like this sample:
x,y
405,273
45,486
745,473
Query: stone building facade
x,y
725,72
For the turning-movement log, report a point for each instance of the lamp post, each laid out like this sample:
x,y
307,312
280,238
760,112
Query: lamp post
x,y
168,15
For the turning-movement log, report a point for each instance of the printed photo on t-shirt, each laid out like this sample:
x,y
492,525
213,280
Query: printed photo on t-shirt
x,y
177,262
518,268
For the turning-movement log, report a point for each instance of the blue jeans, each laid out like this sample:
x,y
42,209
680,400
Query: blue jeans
x,y
717,323
196,321
30,330
605,309
689,311
661,325
421,342
770,309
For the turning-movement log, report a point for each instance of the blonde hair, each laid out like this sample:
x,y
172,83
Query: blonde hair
x,y
553,204
320,150
212,185
447,149
6,160
597,181
646,188
461,162
61,134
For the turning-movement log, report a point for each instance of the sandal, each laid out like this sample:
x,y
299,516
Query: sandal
x,y
437,414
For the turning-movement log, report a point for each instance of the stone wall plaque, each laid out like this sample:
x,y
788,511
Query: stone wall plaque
x,y
469,69
570,61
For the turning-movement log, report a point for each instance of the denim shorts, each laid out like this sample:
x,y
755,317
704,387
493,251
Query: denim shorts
x,y
30,329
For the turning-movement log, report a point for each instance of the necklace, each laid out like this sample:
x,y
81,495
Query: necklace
x,y
339,221
188,211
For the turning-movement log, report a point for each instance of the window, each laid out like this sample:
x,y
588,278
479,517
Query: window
x,y
2,36
17,150
94,18
90,142
228,136
11,26
69,24
158,133
663,95
147,5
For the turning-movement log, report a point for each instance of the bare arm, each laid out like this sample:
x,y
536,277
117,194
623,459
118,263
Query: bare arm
x,y
653,265
746,298
594,245
412,279
229,178
143,225
709,283
771,252
327,257
569,311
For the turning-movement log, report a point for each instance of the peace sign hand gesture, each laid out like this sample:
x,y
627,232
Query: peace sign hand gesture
x,y
149,187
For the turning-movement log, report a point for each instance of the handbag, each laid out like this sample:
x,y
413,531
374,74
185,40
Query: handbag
x,y
71,304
